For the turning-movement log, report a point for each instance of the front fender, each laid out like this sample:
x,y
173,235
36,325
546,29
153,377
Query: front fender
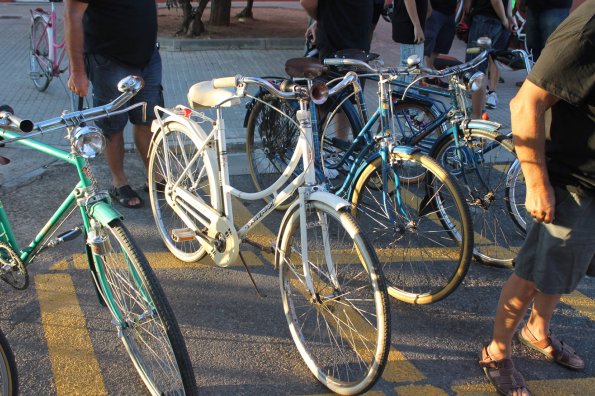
x,y
326,198
104,213
483,125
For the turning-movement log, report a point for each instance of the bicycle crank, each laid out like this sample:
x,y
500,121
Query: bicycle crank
x,y
12,270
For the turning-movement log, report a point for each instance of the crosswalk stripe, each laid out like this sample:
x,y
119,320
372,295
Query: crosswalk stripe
x,y
75,369
581,303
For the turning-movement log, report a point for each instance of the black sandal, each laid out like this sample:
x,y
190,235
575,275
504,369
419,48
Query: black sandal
x,y
124,194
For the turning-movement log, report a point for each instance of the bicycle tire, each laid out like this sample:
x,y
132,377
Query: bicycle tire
x,y
409,119
200,180
9,376
497,237
271,138
347,361
425,248
39,73
516,192
146,323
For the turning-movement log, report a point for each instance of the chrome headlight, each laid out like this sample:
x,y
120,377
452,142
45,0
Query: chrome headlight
x,y
476,82
89,141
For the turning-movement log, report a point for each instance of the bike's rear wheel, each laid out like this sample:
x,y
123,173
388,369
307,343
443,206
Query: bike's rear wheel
x,y
174,147
481,163
516,191
9,378
421,231
343,333
145,321
39,52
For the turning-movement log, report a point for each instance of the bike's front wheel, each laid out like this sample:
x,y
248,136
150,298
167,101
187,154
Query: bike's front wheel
x,y
9,378
39,52
420,227
481,161
144,319
342,329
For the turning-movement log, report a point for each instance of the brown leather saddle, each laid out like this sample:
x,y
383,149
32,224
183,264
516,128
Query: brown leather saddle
x,y
305,68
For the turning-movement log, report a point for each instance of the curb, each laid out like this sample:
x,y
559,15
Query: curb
x,y
179,44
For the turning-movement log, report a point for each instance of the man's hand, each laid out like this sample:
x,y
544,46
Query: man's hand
x,y
418,34
541,203
78,82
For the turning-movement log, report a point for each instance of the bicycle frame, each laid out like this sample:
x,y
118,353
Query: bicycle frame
x,y
57,51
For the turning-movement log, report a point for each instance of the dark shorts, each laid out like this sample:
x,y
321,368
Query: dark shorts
x,y
105,73
378,7
557,256
439,33
483,26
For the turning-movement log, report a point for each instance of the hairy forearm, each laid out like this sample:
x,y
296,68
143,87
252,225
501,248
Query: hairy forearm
x,y
74,36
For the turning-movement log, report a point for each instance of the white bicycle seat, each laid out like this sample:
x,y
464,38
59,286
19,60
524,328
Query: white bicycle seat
x,y
202,95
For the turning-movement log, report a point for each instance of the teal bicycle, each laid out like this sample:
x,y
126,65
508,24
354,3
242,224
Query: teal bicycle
x,y
123,279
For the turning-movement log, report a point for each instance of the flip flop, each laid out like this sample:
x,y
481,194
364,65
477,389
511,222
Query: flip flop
x,y
124,194
559,351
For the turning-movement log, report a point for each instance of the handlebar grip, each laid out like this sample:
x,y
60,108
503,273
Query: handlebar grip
x,y
225,82
23,125
473,51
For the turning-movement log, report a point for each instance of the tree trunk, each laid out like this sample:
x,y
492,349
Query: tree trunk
x,y
220,12
198,27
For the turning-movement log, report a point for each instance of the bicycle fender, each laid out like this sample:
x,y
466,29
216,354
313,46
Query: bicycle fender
x,y
104,213
483,125
335,202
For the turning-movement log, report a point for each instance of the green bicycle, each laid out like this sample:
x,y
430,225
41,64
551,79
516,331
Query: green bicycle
x,y
123,278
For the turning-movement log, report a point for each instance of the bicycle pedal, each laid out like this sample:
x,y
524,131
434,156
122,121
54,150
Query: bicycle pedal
x,y
65,237
182,234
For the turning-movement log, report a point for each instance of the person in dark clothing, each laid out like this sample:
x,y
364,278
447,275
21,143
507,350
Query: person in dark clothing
x,y
553,126
543,17
107,40
439,33
408,20
340,24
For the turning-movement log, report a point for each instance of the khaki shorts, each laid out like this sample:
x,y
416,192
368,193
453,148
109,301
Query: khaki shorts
x,y
557,256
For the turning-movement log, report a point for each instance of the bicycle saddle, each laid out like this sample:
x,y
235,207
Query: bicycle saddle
x,y
202,95
4,160
305,67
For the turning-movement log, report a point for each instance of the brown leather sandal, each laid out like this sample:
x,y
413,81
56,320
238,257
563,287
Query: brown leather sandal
x,y
553,349
502,374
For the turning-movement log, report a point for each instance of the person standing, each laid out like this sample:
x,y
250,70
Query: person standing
x,y
488,19
408,28
439,32
107,40
543,17
553,126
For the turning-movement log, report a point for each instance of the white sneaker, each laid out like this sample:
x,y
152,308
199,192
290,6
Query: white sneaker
x,y
491,100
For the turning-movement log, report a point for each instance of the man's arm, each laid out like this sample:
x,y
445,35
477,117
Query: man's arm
x,y
311,7
418,32
74,38
527,111
498,6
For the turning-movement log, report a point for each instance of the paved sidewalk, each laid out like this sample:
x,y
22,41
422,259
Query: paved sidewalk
x,y
181,70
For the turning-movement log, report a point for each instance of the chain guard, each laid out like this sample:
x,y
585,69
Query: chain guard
x,y
17,276
226,232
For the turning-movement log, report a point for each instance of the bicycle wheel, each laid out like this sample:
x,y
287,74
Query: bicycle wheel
x,y
343,332
39,52
409,120
421,230
481,164
173,149
9,377
145,321
271,139
516,192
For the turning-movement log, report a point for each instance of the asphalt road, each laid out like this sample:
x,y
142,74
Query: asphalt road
x,y
239,343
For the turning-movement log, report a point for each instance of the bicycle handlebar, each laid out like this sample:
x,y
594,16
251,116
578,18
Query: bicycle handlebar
x,y
295,92
129,86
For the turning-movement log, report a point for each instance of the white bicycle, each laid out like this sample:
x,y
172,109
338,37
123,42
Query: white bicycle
x,y
333,292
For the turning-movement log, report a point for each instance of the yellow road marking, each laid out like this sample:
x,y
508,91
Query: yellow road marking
x,y
581,303
416,390
399,369
74,366
161,260
577,386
